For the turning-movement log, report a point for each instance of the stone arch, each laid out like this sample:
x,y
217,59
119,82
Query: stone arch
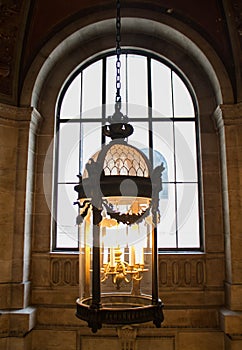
x,y
150,31
165,35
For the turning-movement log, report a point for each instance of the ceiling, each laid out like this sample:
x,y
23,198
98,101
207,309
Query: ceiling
x,y
25,27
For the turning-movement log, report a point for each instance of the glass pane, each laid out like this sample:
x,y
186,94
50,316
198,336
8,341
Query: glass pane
x,y
111,79
130,244
161,89
90,141
92,87
167,225
70,107
68,167
137,111
85,258
137,81
187,216
183,105
140,137
163,145
186,153
67,231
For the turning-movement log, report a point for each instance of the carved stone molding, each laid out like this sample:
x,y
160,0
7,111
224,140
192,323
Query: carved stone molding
x,y
227,115
174,272
64,272
9,28
237,5
26,116
182,272
127,337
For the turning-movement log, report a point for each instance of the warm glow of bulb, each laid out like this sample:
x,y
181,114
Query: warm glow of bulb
x,y
132,256
149,220
88,217
135,207
108,222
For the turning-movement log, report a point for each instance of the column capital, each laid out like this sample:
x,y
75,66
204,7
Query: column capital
x,y
24,116
227,114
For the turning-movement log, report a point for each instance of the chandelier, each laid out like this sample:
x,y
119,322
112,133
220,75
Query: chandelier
x,y
118,200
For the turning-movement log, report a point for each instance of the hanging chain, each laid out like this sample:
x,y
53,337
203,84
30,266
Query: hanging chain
x,y
118,52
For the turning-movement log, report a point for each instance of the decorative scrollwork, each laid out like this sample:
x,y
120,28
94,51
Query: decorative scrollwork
x,y
122,273
128,218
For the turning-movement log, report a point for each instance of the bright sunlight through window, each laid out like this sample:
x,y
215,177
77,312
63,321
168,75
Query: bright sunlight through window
x,y
164,115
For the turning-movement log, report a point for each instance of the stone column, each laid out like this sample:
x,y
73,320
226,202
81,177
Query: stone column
x,y
18,127
229,124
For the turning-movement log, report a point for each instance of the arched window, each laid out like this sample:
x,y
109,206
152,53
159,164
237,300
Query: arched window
x,y
162,108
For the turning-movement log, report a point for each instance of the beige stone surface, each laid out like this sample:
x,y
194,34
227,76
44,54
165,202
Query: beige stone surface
x,y
16,343
188,340
59,316
193,287
234,300
167,343
231,321
233,344
52,340
12,295
100,343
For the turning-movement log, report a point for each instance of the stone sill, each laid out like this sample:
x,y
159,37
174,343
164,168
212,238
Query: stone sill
x,y
17,323
231,322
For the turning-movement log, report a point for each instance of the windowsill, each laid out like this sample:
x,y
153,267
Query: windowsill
x,y
64,252
184,252
170,252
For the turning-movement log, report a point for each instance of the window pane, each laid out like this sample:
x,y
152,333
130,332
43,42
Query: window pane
x,y
71,102
167,225
163,145
140,137
161,90
186,155
91,87
183,105
174,143
68,166
67,231
90,141
137,82
137,111
187,216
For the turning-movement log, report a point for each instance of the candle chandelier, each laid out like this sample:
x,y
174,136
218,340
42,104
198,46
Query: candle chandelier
x,y
118,200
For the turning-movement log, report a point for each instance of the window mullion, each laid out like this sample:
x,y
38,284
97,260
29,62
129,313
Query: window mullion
x,y
104,95
150,110
80,137
174,148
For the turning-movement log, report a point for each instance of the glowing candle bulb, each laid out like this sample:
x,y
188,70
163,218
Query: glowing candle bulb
x,y
105,255
132,256
112,257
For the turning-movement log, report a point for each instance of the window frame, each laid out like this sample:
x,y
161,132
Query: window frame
x,y
59,120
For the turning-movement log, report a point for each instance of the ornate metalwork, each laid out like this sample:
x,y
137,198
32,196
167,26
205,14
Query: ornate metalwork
x,y
138,309
122,272
119,186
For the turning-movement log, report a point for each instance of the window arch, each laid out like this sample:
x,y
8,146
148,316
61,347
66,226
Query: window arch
x,y
163,110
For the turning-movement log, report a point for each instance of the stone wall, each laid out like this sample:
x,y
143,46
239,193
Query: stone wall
x,y
202,304
38,288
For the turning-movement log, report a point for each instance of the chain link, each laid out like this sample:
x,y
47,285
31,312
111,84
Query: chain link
x,y
118,52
